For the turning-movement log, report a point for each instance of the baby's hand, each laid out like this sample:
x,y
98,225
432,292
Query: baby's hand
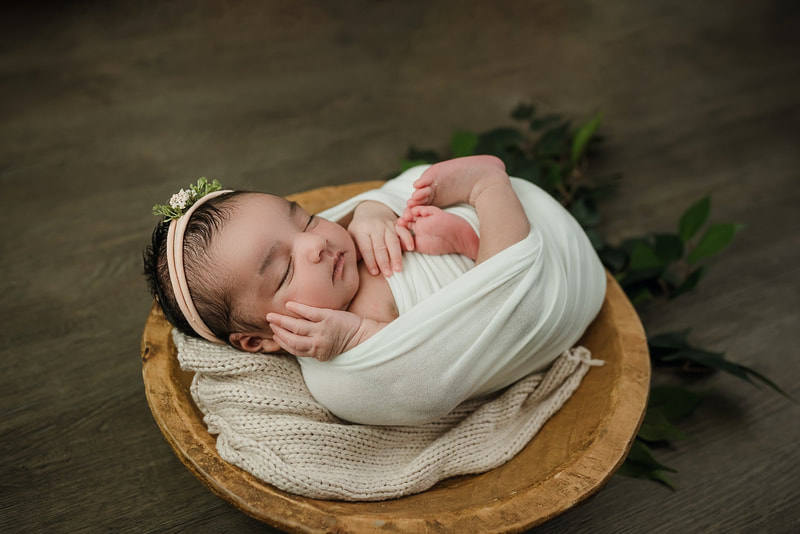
x,y
379,241
320,333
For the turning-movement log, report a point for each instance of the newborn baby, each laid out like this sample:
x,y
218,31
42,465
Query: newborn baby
x,y
261,274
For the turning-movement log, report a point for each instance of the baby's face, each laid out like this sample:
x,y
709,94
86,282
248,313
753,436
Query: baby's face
x,y
275,252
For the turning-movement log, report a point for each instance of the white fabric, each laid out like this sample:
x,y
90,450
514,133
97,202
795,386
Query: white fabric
x,y
268,424
500,321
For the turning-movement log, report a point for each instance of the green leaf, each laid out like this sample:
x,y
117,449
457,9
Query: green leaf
x,y
644,257
597,241
640,463
583,135
674,402
463,143
716,360
690,282
584,212
631,243
613,258
501,137
553,141
554,178
668,247
715,240
664,345
541,122
523,112
670,340
639,295
694,218
527,170
655,427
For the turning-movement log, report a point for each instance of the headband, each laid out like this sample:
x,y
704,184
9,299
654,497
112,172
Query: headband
x,y
178,221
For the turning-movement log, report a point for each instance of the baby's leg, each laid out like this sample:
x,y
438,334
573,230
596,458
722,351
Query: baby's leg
x,y
438,232
482,182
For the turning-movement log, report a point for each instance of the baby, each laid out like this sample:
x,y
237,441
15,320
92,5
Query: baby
x,y
261,274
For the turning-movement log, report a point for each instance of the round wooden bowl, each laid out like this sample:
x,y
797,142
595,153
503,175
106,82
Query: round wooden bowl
x,y
572,457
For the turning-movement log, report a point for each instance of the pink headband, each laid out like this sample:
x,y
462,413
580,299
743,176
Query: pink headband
x,y
177,275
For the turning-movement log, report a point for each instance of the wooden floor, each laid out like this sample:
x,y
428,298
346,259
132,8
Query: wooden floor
x,y
108,107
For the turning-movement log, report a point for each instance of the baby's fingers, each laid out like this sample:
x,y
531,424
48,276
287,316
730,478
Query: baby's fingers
x,y
395,249
405,236
299,345
364,244
291,324
309,312
289,341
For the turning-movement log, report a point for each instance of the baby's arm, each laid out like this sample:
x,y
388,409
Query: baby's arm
x,y
320,333
480,181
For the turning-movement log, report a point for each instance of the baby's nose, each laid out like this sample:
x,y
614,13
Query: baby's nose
x,y
315,247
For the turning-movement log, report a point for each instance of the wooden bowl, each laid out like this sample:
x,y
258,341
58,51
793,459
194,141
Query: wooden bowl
x,y
571,458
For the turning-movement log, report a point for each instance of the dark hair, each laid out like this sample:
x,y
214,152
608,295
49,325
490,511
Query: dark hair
x,y
210,294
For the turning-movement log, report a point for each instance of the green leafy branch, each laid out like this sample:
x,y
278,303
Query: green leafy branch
x,y
548,151
669,264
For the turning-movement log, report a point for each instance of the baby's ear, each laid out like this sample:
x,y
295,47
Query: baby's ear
x,y
253,342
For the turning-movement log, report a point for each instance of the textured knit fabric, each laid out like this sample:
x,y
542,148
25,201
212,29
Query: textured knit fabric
x,y
499,321
268,423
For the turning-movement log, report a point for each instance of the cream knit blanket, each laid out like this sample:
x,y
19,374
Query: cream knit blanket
x,y
268,423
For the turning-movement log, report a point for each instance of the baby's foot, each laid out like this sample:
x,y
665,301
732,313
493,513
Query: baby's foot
x,y
454,181
437,232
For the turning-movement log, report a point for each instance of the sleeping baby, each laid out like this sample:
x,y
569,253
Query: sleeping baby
x,y
287,280
367,287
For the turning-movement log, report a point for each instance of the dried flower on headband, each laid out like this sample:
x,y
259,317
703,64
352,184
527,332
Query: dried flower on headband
x,y
181,201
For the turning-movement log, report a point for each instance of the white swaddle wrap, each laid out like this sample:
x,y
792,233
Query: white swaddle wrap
x,y
463,332
510,316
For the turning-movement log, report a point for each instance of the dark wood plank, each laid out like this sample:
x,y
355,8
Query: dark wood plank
x,y
107,108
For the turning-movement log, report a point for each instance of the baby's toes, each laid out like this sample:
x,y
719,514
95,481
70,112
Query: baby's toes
x,y
424,211
423,195
407,216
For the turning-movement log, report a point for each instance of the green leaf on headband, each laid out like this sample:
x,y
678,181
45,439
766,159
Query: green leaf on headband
x,y
181,201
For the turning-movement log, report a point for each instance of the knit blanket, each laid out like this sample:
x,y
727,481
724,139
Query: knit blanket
x,y
268,423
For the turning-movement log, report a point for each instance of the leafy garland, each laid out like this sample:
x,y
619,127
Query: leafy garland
x,y
181,201
552,154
